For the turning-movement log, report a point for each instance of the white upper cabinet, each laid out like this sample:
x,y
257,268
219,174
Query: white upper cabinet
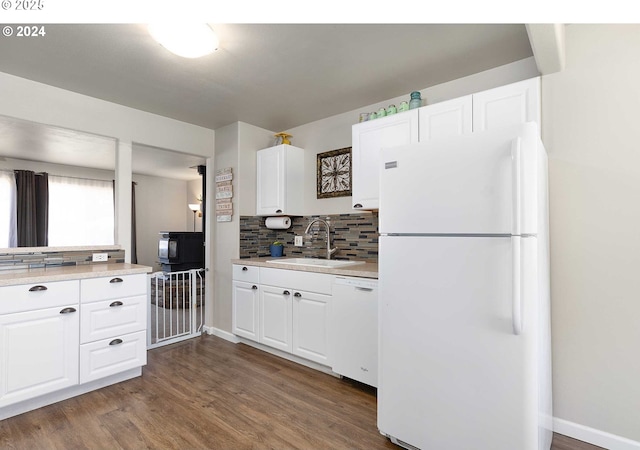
x,y
280,181
503,106
507,105
444,119
367,140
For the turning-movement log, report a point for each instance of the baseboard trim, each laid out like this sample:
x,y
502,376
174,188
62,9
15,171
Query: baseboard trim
x,y
593,436
221,334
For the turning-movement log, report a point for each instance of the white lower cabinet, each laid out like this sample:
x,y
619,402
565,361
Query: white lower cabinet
x,y
56,336
113,325
38,352
287,310
276,317
311,326
106,357
246,310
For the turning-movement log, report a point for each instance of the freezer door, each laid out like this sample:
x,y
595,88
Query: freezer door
x,y
454,374
482,183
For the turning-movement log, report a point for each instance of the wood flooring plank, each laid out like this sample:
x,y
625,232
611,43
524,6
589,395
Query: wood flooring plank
x,y
207,393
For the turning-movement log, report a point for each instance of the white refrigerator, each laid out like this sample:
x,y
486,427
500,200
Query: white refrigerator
x,y
465,359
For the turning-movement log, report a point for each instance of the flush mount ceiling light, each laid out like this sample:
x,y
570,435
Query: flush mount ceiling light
x,y
186,40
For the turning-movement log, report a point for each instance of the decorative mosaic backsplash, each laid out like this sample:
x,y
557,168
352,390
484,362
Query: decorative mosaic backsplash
x,y
40,259
355,236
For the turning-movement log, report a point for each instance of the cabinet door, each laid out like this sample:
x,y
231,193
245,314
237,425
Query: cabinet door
x,y
38,352
367,140
246,310
444,119
311,324
507,105
275,317
271,181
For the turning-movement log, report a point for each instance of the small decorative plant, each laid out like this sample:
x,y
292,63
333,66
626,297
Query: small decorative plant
x,y
276,248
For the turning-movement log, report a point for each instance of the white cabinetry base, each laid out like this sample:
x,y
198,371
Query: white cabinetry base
x,y
64,394
289,356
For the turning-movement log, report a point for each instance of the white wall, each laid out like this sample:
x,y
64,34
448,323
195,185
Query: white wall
x,y
160,206
236,147
590,129
335,132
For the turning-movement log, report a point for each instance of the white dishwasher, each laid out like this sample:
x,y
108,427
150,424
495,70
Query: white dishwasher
x,y
354,336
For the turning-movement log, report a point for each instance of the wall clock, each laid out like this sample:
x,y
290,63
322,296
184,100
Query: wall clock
x,y
333,175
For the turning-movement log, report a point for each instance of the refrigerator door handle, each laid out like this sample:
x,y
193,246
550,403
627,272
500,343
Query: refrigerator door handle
x,y
516,162
516,315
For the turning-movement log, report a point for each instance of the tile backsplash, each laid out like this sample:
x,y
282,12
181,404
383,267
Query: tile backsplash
x,y
355,236
59,257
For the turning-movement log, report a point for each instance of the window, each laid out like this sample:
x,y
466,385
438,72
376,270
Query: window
x,y
7,209
81,212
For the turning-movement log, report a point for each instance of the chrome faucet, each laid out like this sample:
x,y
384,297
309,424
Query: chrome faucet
x,y
330,251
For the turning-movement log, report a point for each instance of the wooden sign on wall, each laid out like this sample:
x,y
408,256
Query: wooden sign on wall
x,y
224,195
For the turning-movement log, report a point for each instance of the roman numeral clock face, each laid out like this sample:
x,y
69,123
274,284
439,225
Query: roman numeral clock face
x,y
334,173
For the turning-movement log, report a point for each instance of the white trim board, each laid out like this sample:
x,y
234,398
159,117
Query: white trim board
x,y
222,334
593,436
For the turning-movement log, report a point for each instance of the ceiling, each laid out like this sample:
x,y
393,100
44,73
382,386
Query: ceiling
x,y
273,76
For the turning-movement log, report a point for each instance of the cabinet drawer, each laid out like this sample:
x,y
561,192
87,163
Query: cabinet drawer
x,y
29,297
109,318
250,274
295,279
110,356
95,289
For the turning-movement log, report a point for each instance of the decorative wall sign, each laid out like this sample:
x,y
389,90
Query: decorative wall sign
x,y
333,176
224,194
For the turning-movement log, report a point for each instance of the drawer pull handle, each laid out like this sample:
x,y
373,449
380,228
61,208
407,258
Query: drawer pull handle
x,y
278,211
114,304
116,342
286,293
297,294
358,205
38,288
254,287
116,280
244,269
68,311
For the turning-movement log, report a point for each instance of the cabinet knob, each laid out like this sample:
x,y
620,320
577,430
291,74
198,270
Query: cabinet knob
x,y
358,205
286,293
278,211
116,342
68,311
38,288
244,269
254,287
297,294
116,303
116,280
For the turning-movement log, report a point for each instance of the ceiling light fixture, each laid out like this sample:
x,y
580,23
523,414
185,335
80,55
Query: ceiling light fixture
x,y
186,40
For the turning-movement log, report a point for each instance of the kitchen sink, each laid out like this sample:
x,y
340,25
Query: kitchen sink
x,y
314,262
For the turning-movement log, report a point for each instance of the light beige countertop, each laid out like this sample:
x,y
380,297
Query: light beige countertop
x,y
61,273
362,269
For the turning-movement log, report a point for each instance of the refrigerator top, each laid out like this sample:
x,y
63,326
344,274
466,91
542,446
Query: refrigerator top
x,y
484,183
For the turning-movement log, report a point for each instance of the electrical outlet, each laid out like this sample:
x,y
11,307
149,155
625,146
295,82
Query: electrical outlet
x,y
298,241
100,257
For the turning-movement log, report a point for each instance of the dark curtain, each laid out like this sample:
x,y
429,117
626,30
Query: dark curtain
x,y
32,207
134,245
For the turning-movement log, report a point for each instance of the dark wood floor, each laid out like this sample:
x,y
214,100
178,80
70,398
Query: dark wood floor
x,y
207,393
